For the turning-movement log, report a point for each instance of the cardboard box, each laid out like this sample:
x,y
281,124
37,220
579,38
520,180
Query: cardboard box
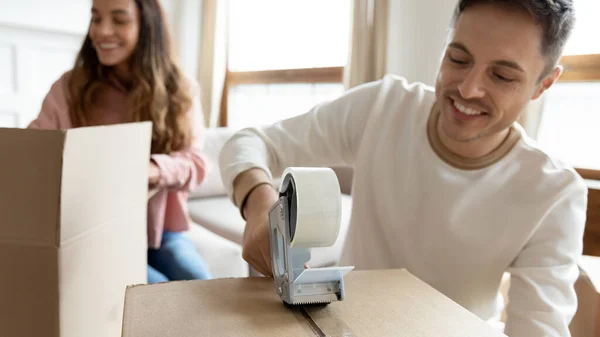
x,y
378,303
586,322
73,234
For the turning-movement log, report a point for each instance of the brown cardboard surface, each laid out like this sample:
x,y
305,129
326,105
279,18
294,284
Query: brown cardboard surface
x,y
28,291
389,303
73,232
377,303
221,307
30,177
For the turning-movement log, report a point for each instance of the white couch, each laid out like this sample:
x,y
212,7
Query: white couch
x,y
219,227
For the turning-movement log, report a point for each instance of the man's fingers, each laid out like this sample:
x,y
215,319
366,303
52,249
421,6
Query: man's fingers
x,y
261,268
256,264
266,256
256,260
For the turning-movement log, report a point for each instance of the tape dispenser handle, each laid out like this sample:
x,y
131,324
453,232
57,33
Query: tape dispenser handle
x,y
288,190
282,226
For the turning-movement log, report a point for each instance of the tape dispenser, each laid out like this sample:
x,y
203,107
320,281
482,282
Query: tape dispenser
x,y
295,284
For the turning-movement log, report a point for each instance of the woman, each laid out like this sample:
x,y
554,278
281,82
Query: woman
x,y
125,72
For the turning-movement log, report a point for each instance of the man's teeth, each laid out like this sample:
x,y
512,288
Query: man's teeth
x,y
109,45
467,111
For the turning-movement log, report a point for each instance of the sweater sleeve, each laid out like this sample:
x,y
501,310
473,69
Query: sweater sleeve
x,y
186,169
329,134
542,299
54,112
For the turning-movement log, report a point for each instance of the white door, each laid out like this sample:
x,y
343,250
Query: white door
x,y
38,42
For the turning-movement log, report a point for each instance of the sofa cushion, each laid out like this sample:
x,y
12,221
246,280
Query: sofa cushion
x,y
219,215
223,257
212,185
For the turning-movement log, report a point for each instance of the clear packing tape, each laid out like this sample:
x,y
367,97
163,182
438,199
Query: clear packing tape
x,y
315,206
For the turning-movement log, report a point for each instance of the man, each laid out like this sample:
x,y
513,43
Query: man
x,y
447,184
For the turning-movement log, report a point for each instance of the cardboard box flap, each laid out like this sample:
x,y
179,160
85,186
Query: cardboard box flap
x,y
396,303
590,266
220,307
377,303
32,176
92,163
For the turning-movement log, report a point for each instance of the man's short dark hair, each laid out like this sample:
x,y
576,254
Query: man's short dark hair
x,y
557,18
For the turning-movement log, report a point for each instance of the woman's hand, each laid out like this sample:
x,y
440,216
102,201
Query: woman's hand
x,y
153,175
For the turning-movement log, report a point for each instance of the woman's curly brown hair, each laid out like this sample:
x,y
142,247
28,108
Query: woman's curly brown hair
x,y
159,92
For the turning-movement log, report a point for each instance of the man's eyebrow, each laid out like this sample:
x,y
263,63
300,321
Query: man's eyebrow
x,y
504,63
510,64
460,46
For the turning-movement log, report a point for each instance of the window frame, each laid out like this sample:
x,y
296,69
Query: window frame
x,y
586,68
582,68
279,76
331,74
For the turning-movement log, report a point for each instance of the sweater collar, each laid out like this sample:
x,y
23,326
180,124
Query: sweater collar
x,y
461,162
117,83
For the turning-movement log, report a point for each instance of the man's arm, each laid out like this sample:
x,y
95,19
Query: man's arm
x,y
329,134
542,299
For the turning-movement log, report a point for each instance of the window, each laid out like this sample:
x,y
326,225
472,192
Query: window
x,y
570,121
283,58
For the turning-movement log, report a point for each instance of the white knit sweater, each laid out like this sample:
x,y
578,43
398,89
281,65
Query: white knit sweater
x,y
457,229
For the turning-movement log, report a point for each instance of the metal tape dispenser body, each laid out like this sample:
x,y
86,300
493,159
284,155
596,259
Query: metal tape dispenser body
x,y
295,284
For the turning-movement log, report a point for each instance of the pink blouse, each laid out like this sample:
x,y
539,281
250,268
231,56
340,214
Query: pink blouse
x,y
181,172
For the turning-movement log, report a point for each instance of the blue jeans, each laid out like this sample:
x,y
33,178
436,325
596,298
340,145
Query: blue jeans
x,y
176,260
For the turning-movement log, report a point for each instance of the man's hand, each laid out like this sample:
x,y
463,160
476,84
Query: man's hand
x,y
256,248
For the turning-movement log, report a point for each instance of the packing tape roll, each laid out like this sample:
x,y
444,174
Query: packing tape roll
x,y
314,205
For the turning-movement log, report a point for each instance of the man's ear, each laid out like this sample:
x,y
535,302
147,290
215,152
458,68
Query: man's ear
x,y
547,81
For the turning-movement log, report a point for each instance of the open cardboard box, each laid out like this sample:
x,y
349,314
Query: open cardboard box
x,y
377,303
73,233
586,322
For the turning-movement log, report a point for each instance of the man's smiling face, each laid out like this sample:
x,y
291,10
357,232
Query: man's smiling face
x,y
490,71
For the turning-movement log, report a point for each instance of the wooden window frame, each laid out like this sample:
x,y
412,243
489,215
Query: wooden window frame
x,y
582,68
586,68
279,76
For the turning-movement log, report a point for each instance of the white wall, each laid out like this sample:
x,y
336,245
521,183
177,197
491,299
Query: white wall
x,y
39,40
67,16
36,47
417,32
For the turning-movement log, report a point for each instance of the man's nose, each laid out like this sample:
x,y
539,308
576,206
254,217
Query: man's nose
x,y
472,86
